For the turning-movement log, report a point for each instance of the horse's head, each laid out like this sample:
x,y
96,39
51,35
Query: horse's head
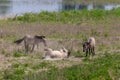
x,y
85,46
68,55
66,51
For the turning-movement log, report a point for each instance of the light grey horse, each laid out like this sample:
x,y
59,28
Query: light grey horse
x,y
29,40
62,53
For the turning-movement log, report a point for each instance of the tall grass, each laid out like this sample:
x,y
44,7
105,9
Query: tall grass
x,y
96,2
68,16
102,68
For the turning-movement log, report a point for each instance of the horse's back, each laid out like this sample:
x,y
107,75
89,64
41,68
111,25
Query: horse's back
x,y
29,39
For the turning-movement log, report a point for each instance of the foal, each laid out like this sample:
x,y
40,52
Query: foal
x,y
28,40
89,46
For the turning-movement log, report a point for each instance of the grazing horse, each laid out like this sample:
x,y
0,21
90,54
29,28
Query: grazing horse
x,y
28,40
89,46
63,53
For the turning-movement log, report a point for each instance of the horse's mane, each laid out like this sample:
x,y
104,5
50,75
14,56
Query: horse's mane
x,y
39,37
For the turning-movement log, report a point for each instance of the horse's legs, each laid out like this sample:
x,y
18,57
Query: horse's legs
x,y
37,46
93,51
87,52
26,47
33,47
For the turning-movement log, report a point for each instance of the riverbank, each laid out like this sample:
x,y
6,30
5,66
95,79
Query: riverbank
x,y
68,16
86,2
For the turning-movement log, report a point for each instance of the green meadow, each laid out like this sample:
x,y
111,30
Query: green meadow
x,y
69,29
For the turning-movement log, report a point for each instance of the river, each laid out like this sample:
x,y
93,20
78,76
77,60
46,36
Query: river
x,y
19,7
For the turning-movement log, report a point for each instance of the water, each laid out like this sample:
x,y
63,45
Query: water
x,y
19,7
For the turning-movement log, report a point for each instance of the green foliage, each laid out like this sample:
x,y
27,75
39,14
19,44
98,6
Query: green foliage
x,y
40,65
116,12
15,65
27,18
106,35
68,16
15,74
16,54
96,69
26,65
19,54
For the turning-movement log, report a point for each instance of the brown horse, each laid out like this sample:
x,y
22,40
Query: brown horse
x,y
89,46
29,40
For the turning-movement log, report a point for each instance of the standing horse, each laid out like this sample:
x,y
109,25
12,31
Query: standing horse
x,y
89,46
28,40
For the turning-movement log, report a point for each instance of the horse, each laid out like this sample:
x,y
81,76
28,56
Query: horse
x,y
89,46
31,40
62,53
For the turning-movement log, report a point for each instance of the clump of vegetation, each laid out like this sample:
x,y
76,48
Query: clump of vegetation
x,y
19,54
14,74
106,35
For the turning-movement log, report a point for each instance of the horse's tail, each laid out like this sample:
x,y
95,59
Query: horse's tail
x,y
19,40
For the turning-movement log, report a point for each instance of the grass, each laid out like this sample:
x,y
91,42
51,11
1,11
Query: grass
x,y
69,29
68,16
101,2
40,65
15,74
97,69
19,54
